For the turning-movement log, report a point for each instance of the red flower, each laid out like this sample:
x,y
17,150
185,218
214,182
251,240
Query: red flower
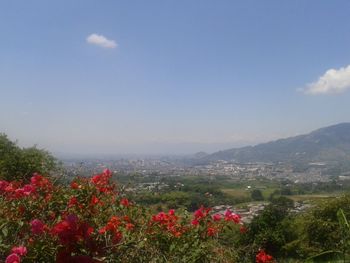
x,y
28,189
168,222
24,191
129,226
124,202
21,250
113,223
262,257
89,231
217,217
195,222
71,230
199,213
38,180
74,185
13,258
72,201
101,181
3,185
37,227
211,231
117,237
102,230
19,193
94,200
229,216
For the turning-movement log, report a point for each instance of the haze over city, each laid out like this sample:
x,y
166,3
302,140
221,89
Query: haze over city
x,y
116,77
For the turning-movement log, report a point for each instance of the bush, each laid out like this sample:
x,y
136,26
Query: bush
x,y
89,221
256,195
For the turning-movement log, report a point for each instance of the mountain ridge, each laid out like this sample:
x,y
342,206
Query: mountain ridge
x,y
327,144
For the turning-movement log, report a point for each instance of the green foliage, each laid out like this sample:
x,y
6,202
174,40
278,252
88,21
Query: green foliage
x,y
20,163
188,193
269,230
321,234
286,191
336,255
256,195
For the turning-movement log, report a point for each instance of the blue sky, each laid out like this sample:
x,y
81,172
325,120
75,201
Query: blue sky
x,y
170,76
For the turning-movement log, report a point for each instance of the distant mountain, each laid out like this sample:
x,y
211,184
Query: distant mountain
x,y
200,155
329,144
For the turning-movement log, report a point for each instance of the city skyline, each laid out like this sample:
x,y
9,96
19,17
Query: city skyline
x,y
170,77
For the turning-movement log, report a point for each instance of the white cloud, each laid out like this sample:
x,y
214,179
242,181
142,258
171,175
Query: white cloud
x,y
332,82
100,40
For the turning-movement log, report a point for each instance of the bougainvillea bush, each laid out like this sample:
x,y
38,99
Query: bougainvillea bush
x,y
89,221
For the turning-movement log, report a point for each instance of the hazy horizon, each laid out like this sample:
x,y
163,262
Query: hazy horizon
x,y
154,149
160,77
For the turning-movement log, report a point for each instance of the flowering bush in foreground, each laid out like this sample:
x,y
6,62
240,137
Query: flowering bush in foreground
x,y
88,221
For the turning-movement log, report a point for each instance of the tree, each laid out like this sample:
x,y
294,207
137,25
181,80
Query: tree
x,y
321,230
257,195
286,191
270,229
20,163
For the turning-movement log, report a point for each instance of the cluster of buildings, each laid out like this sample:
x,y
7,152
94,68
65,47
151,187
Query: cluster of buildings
x,y
251,210
314,172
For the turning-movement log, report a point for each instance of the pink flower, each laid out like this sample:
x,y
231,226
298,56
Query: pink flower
x,y
199,213
171,212
107,172
229,216
37,227
36,179
19,192
21,250
13,258
28,189
228,213
217,217
3,185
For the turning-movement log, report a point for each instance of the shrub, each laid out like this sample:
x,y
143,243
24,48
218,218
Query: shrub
x,y
89,221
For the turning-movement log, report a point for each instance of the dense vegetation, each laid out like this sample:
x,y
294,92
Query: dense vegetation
x,y
21,163
90,221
